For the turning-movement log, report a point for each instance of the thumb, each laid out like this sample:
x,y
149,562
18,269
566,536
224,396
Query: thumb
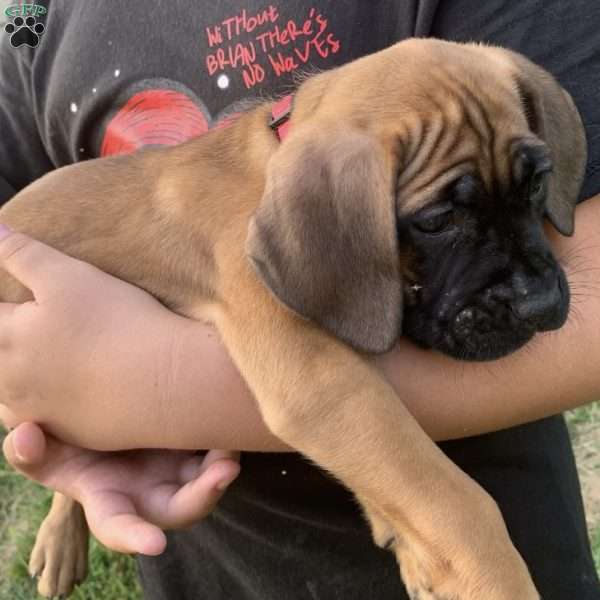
x,y
44,459
31,262
25,446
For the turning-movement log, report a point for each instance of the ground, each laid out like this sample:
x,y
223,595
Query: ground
x,y
22,508
584,425
112,576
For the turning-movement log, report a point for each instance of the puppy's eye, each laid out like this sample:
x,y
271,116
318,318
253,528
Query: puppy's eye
x,y
436,223
537,187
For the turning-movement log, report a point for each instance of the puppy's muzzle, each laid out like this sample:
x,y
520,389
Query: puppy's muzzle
x,y
505,316
544,305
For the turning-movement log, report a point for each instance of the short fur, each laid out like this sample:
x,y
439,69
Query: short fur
x,y
236,229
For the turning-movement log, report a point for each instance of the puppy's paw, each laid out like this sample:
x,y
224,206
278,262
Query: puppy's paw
x,y
464,553
458,575
60,555
451,583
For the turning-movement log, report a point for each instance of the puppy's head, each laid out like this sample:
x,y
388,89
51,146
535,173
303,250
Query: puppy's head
x,y
411,195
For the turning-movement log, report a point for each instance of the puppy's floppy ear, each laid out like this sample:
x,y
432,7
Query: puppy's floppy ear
x,y
324,236
553,117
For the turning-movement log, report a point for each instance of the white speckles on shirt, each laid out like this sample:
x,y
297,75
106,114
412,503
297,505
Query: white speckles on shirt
x,y
223,82
117,72
74,107
94,90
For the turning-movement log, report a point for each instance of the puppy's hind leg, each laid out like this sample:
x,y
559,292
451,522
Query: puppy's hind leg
x,y
60,554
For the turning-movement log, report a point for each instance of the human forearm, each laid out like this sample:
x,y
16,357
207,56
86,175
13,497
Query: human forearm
x,y
149,378
209,404
555,372
450,399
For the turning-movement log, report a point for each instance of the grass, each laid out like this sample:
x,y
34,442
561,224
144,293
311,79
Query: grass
x,y
23,505
584,425
596,547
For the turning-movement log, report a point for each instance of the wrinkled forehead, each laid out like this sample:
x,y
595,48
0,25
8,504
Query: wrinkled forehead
x,y
423,70
439,155
457,125
440,110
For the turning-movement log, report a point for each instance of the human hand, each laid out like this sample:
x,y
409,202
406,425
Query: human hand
x,y
88,342
128,497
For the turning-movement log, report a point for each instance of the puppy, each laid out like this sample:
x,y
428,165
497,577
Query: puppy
x,y
409,196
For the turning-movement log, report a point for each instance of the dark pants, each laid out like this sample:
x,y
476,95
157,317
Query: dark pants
x,y
300,536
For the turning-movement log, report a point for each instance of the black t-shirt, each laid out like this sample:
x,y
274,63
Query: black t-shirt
x,y
111,77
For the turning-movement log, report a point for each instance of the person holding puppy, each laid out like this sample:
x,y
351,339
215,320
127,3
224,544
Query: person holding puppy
x,y
310,531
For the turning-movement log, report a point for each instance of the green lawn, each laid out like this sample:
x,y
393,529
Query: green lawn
x,y
112,576
584,425
22,507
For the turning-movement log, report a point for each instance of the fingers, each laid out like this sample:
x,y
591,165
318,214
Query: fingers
x,y
29,261
197,498
198,464
114,522
25,446
44,459
213,456
130,534
112,513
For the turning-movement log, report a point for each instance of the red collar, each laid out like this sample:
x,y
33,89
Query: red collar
x,y
280,117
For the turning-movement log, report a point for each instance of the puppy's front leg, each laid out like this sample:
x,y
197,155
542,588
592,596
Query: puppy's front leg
x,y
331,404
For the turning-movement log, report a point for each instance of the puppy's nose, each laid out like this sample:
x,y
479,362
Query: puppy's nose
x,y
536,305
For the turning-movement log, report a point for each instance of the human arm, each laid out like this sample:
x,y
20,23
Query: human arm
x,y
193,396
450,399
556,372
121,493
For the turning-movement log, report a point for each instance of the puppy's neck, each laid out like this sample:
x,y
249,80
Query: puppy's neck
x,y
238,153
248,141
240,150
